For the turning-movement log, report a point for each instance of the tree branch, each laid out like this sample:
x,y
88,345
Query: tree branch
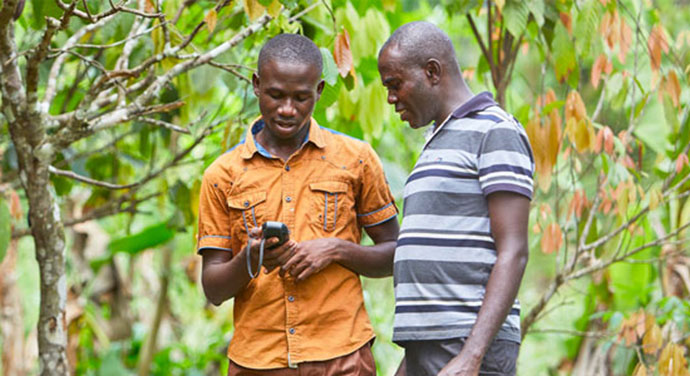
x,y
146,179
110,208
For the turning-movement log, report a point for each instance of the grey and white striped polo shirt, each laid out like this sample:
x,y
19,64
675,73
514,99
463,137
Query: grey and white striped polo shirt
x,y
445,250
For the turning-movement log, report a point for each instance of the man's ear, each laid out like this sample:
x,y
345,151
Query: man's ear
x,y
433,71
319,89
255,84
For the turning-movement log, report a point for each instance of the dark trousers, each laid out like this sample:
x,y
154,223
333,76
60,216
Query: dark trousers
x,y
358,363
427,358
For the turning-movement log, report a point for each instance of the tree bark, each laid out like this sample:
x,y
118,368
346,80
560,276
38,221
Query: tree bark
x,y
27,132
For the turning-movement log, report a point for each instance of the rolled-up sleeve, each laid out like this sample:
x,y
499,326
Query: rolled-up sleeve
x,y
214,222
375,202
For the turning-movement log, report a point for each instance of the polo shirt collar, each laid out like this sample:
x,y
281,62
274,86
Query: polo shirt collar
x,y
478,102
251,146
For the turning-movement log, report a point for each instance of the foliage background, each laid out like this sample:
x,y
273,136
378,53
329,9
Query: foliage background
x,y
583,72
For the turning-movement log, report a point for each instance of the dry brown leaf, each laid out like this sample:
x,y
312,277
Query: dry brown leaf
x,y
150,6
652,341
640,370
567,22
672,87
672,361
552,239
655,45
599,141
253,8
15,205
342,54
625,41
597,68
211,19
681,162
608,140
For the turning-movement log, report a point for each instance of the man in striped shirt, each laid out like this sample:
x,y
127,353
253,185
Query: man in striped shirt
x,y
462,248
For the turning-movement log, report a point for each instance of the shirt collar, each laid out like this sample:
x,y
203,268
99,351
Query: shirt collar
x,y
251,146
478,102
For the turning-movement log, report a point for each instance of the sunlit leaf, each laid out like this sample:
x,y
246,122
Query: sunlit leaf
x,y
515,15
330,70
150,237
274,8
500,4
253,9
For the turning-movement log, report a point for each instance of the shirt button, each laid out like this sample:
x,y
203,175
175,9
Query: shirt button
x,y
246,204
292,330
287,168
291,298
288,199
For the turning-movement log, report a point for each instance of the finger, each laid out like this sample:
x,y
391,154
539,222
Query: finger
x,y
306,273
294,259
255,232
282,253
299,268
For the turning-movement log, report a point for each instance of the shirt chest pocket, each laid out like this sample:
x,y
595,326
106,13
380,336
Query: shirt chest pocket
x,y
246,211
332,204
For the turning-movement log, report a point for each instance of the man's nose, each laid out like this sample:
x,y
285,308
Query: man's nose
x,y
392,98
287,109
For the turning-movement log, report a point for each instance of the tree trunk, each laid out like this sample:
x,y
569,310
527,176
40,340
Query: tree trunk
x,y
34,156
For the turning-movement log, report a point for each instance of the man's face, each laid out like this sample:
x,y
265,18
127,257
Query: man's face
x,y
408,88
287,93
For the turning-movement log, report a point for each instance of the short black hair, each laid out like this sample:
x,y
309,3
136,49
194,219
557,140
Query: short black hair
x,y
419,41
292,48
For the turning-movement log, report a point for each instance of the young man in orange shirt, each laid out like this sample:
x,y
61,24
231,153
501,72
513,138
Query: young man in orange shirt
x,y
304,313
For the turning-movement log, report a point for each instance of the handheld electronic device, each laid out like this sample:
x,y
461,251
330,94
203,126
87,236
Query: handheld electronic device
x,y
278,230
269,230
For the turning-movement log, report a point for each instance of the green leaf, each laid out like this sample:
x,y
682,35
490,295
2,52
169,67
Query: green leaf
x,y
180,195
555,105
671,113
515,14
330,94
563,53
265,2
536,7
5,228
586,27
150,237
330,69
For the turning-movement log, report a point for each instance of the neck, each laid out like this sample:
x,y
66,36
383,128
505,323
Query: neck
x,y
282,148
455,97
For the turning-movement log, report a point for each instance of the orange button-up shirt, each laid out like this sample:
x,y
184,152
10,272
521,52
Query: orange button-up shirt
x,y
333,186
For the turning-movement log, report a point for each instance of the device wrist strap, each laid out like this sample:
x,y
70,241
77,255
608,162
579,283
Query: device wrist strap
x,y
249,258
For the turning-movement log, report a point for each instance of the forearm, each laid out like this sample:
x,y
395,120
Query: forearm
x,y
370,261
224,280
501,290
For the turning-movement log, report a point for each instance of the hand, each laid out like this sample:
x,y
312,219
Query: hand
x,y
461,365
310,257
273,258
